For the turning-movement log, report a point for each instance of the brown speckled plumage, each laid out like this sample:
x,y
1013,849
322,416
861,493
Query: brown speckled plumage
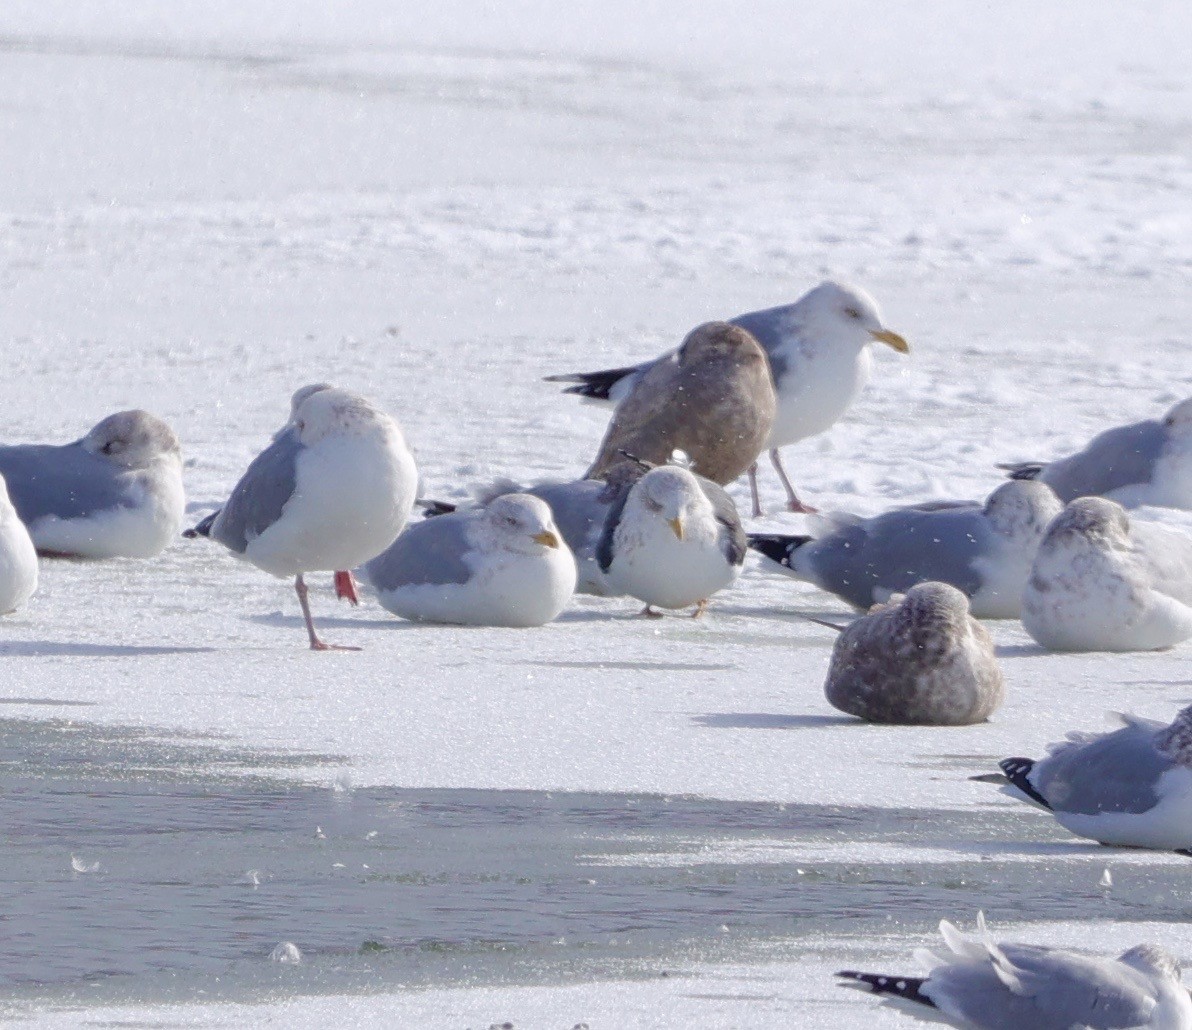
x,y
923,661
715,402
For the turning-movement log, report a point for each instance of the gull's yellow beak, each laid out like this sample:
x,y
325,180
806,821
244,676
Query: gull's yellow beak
x,y
677,526
546,538
890,340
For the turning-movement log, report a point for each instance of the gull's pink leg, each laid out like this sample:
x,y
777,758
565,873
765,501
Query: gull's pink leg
x,y
315,643
345,588
793,502
757,504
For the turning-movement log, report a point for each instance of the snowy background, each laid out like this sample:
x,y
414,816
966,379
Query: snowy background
x,y
204,206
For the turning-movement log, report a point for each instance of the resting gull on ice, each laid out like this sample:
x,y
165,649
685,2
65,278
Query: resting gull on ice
x,y
1143,463
116,493
983,550
503,564
18,559
983,985
712,399
819,356
1131,787
675,540
920,661
1103,582
328,493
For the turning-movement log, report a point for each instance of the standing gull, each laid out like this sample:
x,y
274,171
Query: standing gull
x,y
983,985
984,550
1131,787
675,540
922,661
820,359
116,493
500,565
712,399
1103,582
1143,463
18,559
330,492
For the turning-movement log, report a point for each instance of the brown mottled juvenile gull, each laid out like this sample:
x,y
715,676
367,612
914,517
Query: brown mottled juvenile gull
x,y
713,399
922,661
984,985
1146,462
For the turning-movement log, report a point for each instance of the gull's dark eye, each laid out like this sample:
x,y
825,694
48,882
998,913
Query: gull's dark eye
x,y
852,312
107,447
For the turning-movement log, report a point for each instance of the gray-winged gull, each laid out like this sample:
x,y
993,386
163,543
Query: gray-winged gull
x,y
923,660
713,399
503,564
673,541
1143,463
984,550
1102,581
116,493
329,493
819,356
1131,787
984,985
18,559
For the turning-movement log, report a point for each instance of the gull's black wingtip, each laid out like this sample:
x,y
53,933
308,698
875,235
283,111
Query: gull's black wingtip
x,y
778,547
1017,771
203,528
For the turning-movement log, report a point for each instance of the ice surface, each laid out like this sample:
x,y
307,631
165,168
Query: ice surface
x,y
205,206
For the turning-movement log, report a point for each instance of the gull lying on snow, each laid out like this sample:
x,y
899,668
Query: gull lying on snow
x,y
819,357
1131,787
674,541
983,985
500,565
330,492
923,660
713,399
18,559
1144,463
1103,582
116,493
985,551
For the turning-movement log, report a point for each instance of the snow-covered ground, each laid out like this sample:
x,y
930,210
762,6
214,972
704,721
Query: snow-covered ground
x,y
204,206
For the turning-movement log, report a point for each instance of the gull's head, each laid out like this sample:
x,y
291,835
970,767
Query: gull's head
x,y
1152,961
671,494
133,439
844,314
1022,507
1179,418
328,411
1093,519
302,393
934,603
720,341
522,523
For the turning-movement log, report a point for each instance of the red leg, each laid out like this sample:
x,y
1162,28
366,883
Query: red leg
x,y
757,503
793,502
345,588
315,643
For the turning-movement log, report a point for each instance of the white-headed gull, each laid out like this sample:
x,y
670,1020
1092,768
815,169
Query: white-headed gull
x,y
116,493
923,660
985,985
984,549
504,564
330,492
820,359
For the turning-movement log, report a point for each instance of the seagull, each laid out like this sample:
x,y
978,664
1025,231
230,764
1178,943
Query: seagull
x,y
983,985
1130,788
330,492
1143,463
713,399
1103,582
921,661
820,359
116,493
504,564
984,550
675,540
18,558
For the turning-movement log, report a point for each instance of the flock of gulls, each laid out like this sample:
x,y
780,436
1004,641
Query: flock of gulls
x,y
1053,546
